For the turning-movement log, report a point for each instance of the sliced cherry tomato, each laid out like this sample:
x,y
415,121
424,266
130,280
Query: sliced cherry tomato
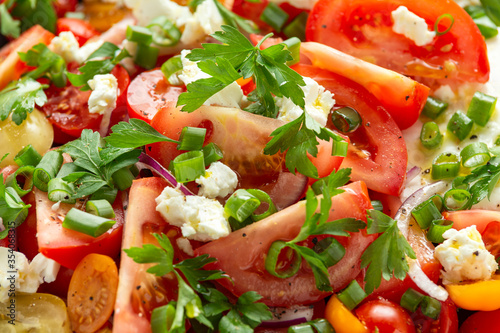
x,y
482,322
82,30
377,154
60,285
342,320
491,238
385,316
446,323
11,66
66,246
251,244
364,29
148,93
478,217
481,295
92,293
64,6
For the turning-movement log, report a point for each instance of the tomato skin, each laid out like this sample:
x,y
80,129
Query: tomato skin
x,y
446,323
63,6
491,238
482,322
478,217
384,315
82,30
364,29
26,232
149,92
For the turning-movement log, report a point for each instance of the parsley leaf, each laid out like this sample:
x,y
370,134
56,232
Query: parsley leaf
x,y
19,98
386,256
235,20
33,12
135,133
47,63
482,180
12,209
8,26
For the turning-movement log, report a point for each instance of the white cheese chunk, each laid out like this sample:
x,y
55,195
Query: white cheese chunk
x,y
411,26
219,181
318,101
86,50
205,21
185,246
464,256
198,217
104,93
146,11
66,46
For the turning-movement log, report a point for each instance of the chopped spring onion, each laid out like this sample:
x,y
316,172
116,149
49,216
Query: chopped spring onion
x,y
438,21
189,166
86,223
456,199
314,326
434,107
430,135
481,108
165,33
21,180
297,28
459,183
293,45
100,208
436,230
425,213
330,251
105,193
191,138
139,35
446,165
475,154
47,169
27,156
286,268
241,204
352,295
492,9
171,68
430,307
163,317
460,125
60,190
411,299
263,198
211,153
123,178
146,56
346,119
274,16
377,205
438,201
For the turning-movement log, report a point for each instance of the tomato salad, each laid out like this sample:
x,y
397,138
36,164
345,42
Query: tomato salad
x,y
269,166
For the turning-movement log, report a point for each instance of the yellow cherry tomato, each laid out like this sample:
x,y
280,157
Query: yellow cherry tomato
x,y
478,296
342,320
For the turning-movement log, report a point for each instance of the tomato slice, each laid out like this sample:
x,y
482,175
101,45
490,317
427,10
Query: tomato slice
x,y
478,217
364,29
148,93
66,246
491,238
64,6
446,323
92,293
384,316
251,244
82,30
482,322
378,153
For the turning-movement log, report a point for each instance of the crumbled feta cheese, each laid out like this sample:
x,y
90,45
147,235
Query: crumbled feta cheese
x,y
185,245
23,276
66,46
445,93
411,26
146,11
230,96
205,21
198,217
104,93
86,50
318,100
464,256
219,181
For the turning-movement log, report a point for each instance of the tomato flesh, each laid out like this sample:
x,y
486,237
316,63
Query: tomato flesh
x,y
384,316
482,322
446,323
82,30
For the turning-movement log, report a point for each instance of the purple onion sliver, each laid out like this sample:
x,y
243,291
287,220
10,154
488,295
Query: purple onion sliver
x,y
412,173
283,323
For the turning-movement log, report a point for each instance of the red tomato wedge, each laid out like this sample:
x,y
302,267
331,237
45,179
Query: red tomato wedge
x,y
482,322
11,66
363,28
66,246
384,316
241,254
401,96
478,217
378,153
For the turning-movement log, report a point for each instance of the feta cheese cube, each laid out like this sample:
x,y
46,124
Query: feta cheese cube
x,y
219,181
86,50
318,101
464,256
411,26
104,93
66,46
205,21
198,217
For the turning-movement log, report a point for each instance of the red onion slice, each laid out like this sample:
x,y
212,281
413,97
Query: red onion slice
x,y
286,317
412,173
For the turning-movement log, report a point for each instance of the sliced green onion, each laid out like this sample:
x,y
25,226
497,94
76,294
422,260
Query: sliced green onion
x,y
456,199
339,144
352,295
172,66
430,135
430,307
436,230
438,21
297,28
481,108
459,183
293,45
106,193
21,180
146,56
446,165
377,205
163,317
191,138
241,204
319,325
27,156
438,201
165,33
475,154
274,16
188,166
60,190
237,225
140,35
285,268
330,251
100,208
47,169
425,213
460,125
211,153
411,299
346,119
86,223
264,199
492,9
487,27
123,178
434,107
